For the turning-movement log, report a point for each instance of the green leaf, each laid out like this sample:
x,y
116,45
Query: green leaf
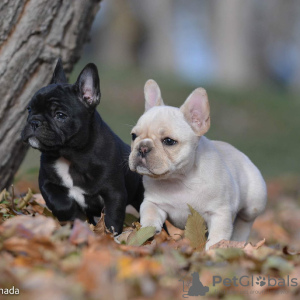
x,y
139,237
229,253
195,229
277,263
129,219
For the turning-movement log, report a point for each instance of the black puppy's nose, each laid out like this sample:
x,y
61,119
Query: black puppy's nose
x,y
35,124
144,150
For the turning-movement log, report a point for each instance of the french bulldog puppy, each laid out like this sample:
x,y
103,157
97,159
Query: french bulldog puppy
x,y
181,166
84,165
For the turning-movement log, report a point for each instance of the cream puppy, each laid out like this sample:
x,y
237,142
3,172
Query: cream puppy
x,y
182,166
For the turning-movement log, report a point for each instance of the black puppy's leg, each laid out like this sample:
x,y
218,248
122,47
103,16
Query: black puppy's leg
x,y
63,207
95,205
115,206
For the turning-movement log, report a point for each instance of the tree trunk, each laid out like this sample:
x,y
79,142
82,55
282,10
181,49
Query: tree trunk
x,y
33,34
232,27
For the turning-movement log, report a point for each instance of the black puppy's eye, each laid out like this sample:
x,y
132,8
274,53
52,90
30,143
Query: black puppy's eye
x,y
60,116
29,109
133,136
169,142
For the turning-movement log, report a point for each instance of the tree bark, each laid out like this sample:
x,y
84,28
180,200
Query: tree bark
x,y
33,34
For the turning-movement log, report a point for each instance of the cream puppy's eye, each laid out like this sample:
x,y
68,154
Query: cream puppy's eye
x,y
133,136
169,142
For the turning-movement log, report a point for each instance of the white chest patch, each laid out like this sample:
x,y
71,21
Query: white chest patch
x,y
62,167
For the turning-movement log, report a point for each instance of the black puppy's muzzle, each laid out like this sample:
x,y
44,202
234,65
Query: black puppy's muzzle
x,y
35,124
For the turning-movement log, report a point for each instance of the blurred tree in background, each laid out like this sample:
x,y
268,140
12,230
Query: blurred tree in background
x,y
235,43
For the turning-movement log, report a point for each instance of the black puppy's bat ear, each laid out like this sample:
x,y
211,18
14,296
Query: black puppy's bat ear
x,y
59,74
88,84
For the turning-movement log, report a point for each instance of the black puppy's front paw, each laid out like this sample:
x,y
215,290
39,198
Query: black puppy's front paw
x,y
114,226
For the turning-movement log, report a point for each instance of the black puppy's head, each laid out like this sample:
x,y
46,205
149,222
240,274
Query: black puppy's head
x,y
60,114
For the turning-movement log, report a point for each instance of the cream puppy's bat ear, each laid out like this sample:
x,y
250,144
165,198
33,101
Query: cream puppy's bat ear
x,y
152,95
197,112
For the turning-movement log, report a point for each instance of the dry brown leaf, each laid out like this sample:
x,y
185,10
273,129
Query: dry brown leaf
x,y
34,226
267,226
100,228
34,248
161,237
37,208
92,265
228,244
249,248
80,233
134,250
38,198
174,232
123,237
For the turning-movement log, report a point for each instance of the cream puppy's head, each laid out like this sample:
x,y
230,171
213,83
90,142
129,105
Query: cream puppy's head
x,y
165,138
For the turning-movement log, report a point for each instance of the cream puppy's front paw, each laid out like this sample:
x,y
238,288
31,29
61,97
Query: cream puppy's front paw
x,y
153,223
152,215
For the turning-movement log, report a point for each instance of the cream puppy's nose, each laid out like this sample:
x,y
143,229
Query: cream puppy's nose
x,y
144,148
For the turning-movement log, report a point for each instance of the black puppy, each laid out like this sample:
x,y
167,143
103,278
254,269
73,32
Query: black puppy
x,y
84,165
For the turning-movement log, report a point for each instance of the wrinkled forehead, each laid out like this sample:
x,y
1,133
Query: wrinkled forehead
x,y
52,92
162,121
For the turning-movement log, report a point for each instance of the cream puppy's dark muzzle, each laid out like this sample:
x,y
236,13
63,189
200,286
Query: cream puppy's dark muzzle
x,y
144,149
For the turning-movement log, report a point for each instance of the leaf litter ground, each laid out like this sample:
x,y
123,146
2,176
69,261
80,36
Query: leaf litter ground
x,y
47,260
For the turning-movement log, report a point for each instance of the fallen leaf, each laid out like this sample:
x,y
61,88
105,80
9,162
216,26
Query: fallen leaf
x,y
123,237
228,253
161,237
195,229
174,232
267,226
139,237
100,228
129,267
130,219
228,244
34,248
277,263
24,201
261,253
37,226
249,248
92,265
133,250
80,233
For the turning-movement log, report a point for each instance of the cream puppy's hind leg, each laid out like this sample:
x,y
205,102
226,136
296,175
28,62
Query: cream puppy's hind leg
x,y
152,215
219,228
242,229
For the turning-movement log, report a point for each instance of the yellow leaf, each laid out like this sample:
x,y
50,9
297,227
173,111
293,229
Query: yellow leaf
x,y
195,229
